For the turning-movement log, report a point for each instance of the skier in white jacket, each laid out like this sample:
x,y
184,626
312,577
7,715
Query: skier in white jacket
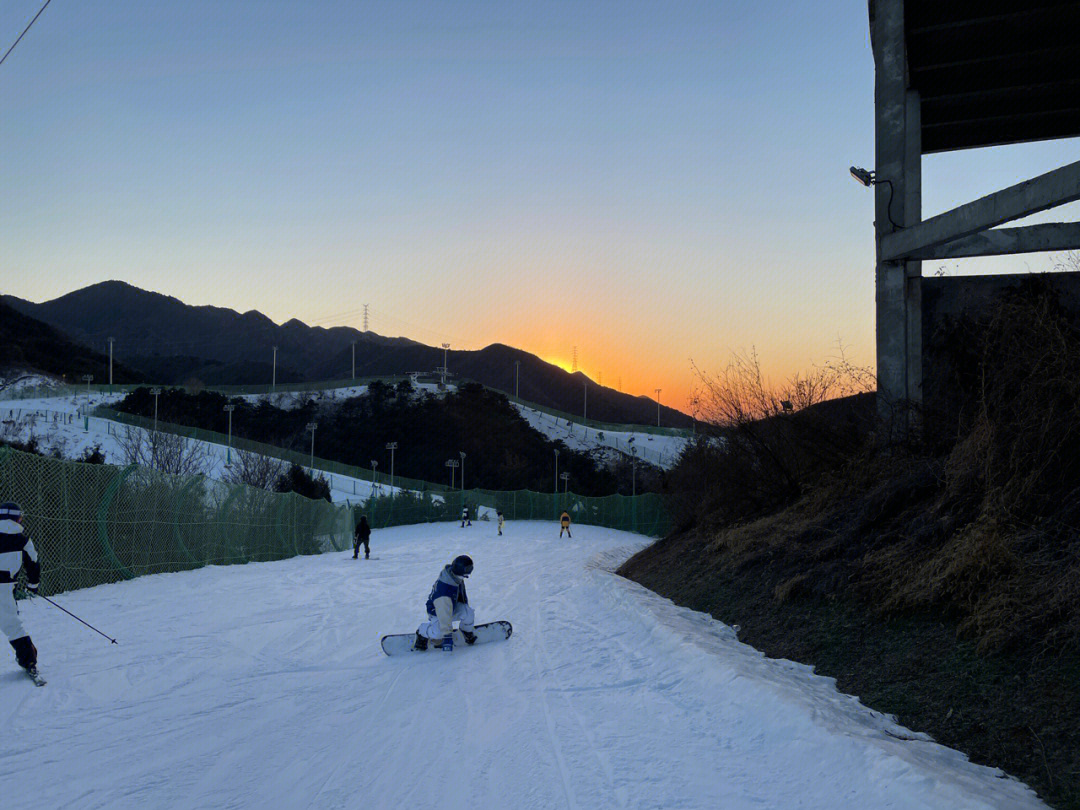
x,y
17,551
448,602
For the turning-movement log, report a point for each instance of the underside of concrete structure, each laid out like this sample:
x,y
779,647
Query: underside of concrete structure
x,y
959,75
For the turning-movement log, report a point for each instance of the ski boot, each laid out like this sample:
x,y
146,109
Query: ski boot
x,y
420,643
470,637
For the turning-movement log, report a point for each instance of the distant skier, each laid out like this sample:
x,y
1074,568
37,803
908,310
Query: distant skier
x,y
465,521
499,515
564,524
17,551
362,536
447,602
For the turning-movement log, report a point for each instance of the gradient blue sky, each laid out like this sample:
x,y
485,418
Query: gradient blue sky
x,y
649,182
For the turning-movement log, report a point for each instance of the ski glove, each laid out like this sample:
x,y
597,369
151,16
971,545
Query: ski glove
x,y
448,642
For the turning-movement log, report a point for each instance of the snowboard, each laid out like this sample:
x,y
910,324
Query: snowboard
x,y
401,643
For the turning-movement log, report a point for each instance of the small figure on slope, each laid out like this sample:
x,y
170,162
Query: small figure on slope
x,y
564,524
362,536
447,602
499,516
17,551
465,521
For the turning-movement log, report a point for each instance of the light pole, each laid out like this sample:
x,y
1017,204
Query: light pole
x,y
391,446
228,448
462,454
658,407
354,359
585,408
88,378
452,464
445,349
311,426
273,377
565,482
374,475
556,471
517,379
156,392
633,453
110,362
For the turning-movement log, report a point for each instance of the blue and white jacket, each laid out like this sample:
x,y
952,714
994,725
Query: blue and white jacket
x,y
17,551
447,592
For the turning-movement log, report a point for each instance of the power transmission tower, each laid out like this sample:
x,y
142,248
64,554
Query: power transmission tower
x,y
365,317
574,369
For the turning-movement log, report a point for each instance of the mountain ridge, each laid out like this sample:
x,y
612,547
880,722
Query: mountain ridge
x,y
171,342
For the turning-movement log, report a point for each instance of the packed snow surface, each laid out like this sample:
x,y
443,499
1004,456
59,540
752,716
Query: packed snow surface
x,y
263,686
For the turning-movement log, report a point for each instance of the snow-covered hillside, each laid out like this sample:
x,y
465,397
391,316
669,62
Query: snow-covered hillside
x,y
263,686
663,451
60,424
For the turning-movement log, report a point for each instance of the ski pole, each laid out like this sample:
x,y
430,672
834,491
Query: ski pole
x,y
72,615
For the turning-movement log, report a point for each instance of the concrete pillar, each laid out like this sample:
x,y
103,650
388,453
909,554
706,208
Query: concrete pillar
x,y
898,203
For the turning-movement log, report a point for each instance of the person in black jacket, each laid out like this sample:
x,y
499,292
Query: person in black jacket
x,y
363,535
17,551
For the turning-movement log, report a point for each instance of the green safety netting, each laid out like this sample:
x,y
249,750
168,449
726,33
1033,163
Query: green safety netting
x,y
96,523
645,514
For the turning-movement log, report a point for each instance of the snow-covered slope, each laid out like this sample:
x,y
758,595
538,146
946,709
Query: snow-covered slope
x,y
263,686
663,451
59,424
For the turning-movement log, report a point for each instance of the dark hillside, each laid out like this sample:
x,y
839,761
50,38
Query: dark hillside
x,y
502,451
27,344
938,581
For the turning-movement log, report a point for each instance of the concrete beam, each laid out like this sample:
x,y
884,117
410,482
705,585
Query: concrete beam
x,y
1047,238
1015,202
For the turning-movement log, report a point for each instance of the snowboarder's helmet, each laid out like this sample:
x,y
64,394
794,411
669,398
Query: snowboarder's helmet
x,y
11,511
461,566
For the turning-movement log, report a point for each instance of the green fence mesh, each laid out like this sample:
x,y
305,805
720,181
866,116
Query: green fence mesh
x,y
95,523
645,514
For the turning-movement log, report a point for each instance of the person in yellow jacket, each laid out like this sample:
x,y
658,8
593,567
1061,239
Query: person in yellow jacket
x,y
564,524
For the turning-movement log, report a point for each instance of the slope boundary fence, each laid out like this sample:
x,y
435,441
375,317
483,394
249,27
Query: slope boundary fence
x,y
95,523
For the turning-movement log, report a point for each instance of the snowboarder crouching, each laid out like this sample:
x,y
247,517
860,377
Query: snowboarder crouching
x,y
361,537
564,524
499,515
17,551
465,521
447,602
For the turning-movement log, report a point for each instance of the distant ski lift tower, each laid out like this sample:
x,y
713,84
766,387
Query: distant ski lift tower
x,y
445,349
658,407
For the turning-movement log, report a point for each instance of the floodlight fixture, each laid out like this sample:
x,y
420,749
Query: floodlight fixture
x,y
863,176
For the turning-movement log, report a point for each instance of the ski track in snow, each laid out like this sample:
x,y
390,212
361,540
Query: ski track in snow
x,y
263,685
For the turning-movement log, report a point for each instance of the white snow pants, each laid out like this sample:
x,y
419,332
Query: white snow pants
x,y
10,622
463,613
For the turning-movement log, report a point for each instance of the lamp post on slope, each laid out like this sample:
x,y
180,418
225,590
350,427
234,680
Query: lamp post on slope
x,y
311,426
228,448
391,446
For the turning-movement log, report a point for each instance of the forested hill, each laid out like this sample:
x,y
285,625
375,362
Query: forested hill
x,y
28,345
502,451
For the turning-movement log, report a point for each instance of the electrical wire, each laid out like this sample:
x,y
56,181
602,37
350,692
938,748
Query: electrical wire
x,y
16,42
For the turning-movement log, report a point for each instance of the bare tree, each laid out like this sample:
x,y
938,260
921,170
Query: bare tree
x,y
254,470
164,452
